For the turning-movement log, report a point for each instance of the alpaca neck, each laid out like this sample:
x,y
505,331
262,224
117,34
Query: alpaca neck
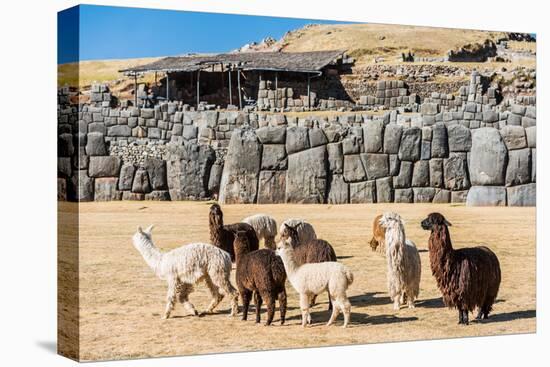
x,y
151,254
440,246
216,228
239,254
395,241
289,262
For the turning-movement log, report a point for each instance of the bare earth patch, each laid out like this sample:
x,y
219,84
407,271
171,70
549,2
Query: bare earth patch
x,y
121,300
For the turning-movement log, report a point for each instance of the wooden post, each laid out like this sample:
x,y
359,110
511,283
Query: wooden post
x,y
308,92
198,87
239,86
276,89
135,90
155,78
230,95
167,86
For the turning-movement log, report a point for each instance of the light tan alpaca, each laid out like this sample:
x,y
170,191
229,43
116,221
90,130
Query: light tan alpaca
x,y
377,242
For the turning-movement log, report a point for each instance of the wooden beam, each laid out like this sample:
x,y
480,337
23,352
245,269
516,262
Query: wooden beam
x,y
167,86
308,92
135,90
230,95
276,89
239,86
198,87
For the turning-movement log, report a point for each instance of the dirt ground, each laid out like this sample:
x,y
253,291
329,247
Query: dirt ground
x,y
121,300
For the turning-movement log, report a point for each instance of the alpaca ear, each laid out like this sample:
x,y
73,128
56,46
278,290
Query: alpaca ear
x,y
139,230
150,228
447,223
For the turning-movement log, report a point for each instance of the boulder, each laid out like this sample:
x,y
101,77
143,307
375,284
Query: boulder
x,y
274,157
442,197
531,134
352,145
187,170
214,179
514,137
423,194
522,195
156,169
373,132
95,144
338,192
104,166
425,150
460,138
486,196
458,197
65,147
436,172
440,146
158,195
409,149
119,131
421,174
241,169
126,176
306,179
272,134
488,157
353,168
518,170
82,186
376,165
455,173
271,187
362,192
64,166
392,138
317,137
106,189
403,195
141,184
335,158
404,178
384,190
395,164
296,139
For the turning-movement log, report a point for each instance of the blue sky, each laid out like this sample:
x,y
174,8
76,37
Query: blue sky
x,y
116,33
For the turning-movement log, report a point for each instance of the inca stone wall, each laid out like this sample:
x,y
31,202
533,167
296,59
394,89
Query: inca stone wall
x,y
479,152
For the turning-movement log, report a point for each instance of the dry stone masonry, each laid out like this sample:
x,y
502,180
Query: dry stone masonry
x,y
466,148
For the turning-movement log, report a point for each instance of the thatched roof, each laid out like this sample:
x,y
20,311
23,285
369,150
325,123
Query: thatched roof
x,y
305,62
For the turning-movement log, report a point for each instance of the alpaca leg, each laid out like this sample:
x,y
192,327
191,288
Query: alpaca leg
x,y
347,311
226,288
170,298
270,302
183,297
304,307
330,307
396,303
465,317
246,296
282,306
313,300
335,312
460,317
258,303
215,293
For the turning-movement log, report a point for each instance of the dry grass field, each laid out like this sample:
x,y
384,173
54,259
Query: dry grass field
x,y
121,300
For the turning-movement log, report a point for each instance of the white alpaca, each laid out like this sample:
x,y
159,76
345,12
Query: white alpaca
x,y
265,227
185,266
312,279
403,273
306,233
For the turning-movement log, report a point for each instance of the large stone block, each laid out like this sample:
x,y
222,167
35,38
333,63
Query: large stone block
x,y
214,179
272,134
442,197
423,194
421,174
271,187
335,158
106,189
339,190
119,131
384,190
352,145
409,149
82,186
392,138
486,196
362,192
403,195
395,164
531,134
488,158
533,165
373,135
156,169
158,195
64,166
95,144
296,139
306,180
518,170
436,172
376,165
522,195
459,197
317,137
440,145
65,147
126,176
460,138
455,173
141,183
187,170
404,178
514,137
274,157
353,168
104,166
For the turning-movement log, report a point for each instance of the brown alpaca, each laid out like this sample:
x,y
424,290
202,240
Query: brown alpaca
x,y
378,236
314,251
261,272
223,236
467,277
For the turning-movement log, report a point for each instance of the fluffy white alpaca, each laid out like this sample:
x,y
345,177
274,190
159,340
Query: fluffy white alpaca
x,y
185,266
265,227
403,273
305,230
312,279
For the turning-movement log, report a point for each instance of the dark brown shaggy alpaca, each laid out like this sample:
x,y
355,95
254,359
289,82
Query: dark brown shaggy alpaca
x,y
467,277
314,251
223,236
377,242
261,272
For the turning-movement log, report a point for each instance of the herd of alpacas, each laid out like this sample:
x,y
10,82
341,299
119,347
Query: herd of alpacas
x,y
468,278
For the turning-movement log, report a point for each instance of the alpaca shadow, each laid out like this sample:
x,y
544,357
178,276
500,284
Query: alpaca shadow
x,y
437,303
508,316
422,250
344,257
363,318
369,299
